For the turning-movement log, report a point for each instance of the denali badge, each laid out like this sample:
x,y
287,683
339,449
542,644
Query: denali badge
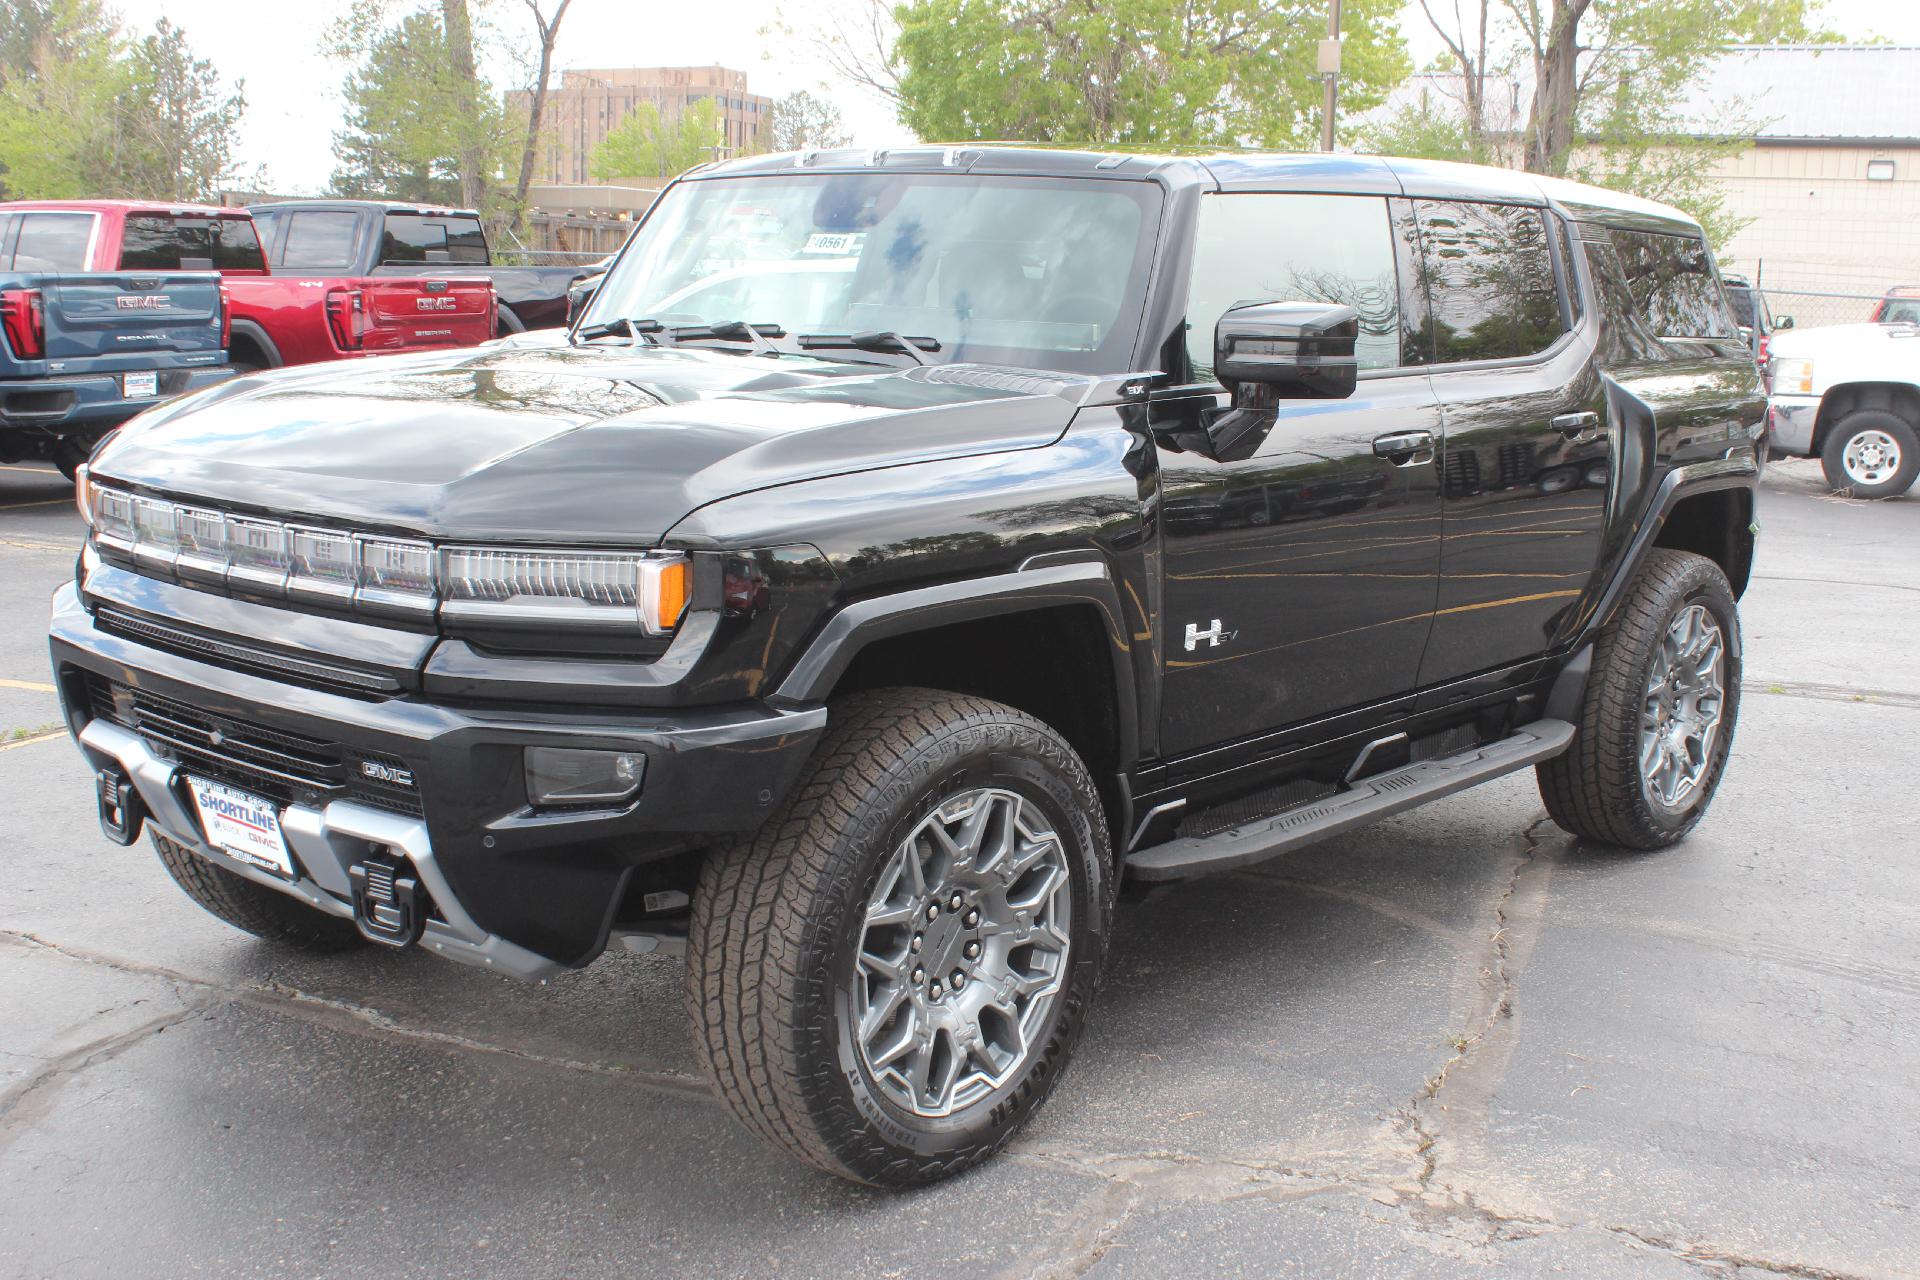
x,y
143,301
437,304
1213,635
391,774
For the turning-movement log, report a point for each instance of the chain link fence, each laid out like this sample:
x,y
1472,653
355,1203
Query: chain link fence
x,y
1812,310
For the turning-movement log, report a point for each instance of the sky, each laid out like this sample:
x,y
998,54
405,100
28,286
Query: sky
x,y
293,89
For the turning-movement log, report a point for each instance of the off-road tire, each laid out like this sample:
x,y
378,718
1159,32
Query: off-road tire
x,y
1594,788
778,914
254,908
1833,454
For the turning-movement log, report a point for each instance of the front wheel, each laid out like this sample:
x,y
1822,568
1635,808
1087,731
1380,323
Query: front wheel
x,y
1871,454
888,978
1657,720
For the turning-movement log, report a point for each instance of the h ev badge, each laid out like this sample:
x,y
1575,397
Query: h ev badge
x,y
1213,635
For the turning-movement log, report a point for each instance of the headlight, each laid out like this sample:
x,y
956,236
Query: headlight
x,y
565,776
646,591
538,588
1793,377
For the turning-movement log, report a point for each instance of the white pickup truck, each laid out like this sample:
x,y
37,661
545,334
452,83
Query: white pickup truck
x,y
1849,395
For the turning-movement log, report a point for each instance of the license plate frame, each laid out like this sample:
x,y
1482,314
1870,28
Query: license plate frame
x,y
242,825
140,385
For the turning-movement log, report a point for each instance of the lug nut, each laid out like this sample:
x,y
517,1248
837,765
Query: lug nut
x,y
958,979
972,919
919,976
973,951
918,939
953,903
933,912
935,988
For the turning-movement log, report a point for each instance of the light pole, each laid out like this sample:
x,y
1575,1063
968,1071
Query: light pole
x,y
1330,71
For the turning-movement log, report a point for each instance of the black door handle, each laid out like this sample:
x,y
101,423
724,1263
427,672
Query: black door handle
x,y
1405,448
1580,428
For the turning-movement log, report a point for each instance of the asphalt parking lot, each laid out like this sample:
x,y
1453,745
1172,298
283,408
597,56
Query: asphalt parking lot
x,y
1454,1042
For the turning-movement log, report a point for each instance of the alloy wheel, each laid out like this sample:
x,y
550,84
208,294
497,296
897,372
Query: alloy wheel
x,y
963,952
1685,698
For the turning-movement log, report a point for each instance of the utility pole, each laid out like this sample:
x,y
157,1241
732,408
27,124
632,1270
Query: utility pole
x,y
1330,71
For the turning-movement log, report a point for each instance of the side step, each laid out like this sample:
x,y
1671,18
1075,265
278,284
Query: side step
x,y
1367,800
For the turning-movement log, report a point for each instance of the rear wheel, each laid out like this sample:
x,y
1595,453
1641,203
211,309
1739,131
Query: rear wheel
x,y
1871,453
1658,716
887,979
254,908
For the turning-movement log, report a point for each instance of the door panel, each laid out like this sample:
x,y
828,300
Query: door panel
x,y
1528,460
1300,579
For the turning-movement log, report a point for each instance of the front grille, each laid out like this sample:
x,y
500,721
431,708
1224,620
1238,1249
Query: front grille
x,y
289,768
245,657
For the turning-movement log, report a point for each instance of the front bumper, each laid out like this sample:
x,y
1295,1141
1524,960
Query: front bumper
x,y
63,405
521,890
1790,422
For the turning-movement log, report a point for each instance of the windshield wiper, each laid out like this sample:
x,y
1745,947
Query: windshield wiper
x,y
634,329
878,340
658,334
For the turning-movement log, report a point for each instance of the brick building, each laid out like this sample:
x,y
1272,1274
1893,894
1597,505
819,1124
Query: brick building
x,y
588,104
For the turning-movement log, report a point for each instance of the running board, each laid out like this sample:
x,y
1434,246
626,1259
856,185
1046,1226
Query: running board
x,y
1365,801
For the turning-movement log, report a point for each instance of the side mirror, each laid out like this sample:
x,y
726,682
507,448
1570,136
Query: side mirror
x,y
1291,350
1783,322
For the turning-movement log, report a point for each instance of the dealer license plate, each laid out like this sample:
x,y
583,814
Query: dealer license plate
x,y
140,386
242,824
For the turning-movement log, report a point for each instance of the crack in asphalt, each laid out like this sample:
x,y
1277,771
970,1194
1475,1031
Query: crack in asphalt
x,y
1831,692
14,1102
285,999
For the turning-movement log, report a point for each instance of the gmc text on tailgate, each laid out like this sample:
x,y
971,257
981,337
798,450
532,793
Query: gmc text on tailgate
x,y
905,548
82,353
295,316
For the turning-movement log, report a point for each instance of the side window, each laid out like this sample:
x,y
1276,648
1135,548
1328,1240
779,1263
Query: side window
x,y
318,240
1672,282
53,242
412,237
6,251
1295,248
162,242
1490,277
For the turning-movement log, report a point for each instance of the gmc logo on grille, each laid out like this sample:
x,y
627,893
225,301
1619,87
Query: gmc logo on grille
x,y
391,774
437,304
143,301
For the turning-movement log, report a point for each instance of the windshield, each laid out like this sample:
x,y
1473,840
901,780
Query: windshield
x,y
1035,272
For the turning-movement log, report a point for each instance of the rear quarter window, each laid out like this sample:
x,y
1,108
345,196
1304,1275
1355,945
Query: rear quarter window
x,y
53,242
412,237
1673,284
319,240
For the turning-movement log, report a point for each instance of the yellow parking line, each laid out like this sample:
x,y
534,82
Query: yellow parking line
x,y
33,686
27,742
32,471
22,506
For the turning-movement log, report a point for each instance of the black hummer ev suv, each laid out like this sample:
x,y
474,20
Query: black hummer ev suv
x,y
902,550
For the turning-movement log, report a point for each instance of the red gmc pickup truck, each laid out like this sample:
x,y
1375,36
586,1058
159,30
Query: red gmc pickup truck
x,y
278,319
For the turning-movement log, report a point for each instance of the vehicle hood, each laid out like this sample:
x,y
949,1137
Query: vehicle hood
x,y
540,441
1896,345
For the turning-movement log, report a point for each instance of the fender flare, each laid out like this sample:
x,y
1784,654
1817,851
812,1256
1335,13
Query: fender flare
x,y
252,331
1740,470
1040,582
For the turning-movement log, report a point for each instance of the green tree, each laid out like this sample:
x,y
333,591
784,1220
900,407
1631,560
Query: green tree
x,y
643,145
1135,73
87,111
1602,80
802,120
417,125
182,125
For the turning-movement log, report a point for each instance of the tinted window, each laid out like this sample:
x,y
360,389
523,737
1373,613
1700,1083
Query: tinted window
x,y
1490,277
160,242
1901,311
413,237
319,240
1295,248
1672,282
1741,300
53,242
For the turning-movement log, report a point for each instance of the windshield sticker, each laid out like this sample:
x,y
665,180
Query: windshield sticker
x,y
838,242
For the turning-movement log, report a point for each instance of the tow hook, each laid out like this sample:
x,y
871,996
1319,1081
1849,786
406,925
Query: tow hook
x,y
388,904
122,811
